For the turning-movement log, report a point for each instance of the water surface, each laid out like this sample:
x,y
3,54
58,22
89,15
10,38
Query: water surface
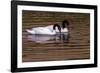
x,y
72,46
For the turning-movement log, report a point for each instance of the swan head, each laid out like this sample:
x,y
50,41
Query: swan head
x,y
65,26
57,28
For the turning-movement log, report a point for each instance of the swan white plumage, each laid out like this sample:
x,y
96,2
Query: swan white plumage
x,y
50,30
42,30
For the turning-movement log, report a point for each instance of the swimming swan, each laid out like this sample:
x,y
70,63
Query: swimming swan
x,y
51,29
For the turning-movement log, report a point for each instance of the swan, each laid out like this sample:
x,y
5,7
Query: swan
x,y
47,30
51,29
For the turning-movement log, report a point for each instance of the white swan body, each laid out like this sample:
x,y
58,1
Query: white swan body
x,y
46,30
42,30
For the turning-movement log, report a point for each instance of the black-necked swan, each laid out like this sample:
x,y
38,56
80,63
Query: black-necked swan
x,y
51,29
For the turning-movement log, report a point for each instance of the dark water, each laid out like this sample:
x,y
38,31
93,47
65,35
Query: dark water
x,y
56,47
72,46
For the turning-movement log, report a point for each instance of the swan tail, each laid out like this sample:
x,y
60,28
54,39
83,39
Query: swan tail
x,y
30,31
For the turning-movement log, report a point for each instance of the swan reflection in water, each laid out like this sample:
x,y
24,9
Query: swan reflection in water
x,y
58,38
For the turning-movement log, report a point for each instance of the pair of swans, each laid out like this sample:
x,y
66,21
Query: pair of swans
x,y
51,29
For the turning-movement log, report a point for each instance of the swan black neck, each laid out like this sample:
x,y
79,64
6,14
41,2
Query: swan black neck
x,y
65,24
56,25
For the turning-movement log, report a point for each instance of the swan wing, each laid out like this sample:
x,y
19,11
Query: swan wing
x,y
42,30
45,31
50,27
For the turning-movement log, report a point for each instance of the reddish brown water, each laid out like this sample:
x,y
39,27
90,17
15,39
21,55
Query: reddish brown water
x,y
49,48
